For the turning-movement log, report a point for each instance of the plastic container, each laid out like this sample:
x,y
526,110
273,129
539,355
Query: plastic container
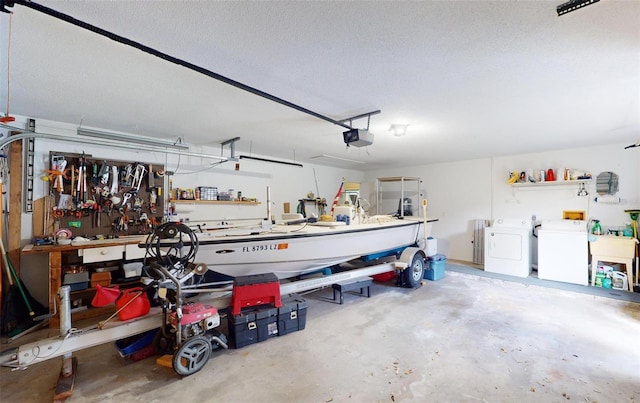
x,y
133,344
243,329
432,246
619,280
292,316
435,269
134,303
599,277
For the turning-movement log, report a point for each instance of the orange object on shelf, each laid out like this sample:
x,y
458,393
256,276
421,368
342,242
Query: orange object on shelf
x,y
550,175
103,279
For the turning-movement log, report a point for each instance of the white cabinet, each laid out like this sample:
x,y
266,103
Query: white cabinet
x,y
133,251
102,254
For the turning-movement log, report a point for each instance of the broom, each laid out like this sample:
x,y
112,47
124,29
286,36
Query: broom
x,y
8,321
18,307
12,313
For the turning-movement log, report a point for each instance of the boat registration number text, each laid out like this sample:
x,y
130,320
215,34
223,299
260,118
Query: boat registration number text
x,y
265,247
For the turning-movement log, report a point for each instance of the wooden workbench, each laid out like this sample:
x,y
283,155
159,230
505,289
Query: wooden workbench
x,y
55,254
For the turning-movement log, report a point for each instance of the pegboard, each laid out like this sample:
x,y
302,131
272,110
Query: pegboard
x,y
95,197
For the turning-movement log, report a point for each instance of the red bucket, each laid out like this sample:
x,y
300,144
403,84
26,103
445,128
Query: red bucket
x,y
132,303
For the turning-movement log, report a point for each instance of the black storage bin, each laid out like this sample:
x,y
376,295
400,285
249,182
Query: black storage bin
x,y
292,316
267,319
243,329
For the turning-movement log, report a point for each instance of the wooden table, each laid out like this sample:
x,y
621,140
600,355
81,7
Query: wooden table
x,y
99,247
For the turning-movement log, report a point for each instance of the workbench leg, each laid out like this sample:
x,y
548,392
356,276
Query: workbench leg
x,y
64,388
55,282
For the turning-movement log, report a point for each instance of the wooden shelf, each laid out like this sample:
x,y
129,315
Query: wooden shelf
x,y
549,183
243,203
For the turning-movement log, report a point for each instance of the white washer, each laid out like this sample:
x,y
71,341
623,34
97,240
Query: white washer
x,y
507,247
563,251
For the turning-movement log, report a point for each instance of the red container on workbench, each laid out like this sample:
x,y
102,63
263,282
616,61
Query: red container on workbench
x,y
133,302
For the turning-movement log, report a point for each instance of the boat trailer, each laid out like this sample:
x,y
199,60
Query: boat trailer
x,y
187,326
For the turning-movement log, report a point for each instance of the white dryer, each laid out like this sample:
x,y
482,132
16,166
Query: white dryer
x,y
563,251
507,247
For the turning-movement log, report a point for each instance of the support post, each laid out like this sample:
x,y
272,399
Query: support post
x,y
64,388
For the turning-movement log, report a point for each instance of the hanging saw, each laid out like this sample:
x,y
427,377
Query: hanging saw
x,y
114,179
104,173
138,175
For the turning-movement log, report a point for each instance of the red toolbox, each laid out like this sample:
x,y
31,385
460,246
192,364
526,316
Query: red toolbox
x,y
255,290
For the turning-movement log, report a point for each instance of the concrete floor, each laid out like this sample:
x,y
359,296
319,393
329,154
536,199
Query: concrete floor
x,y
460,339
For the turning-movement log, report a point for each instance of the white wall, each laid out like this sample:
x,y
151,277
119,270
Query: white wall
x,y
460,192
457,192
286,183
549,203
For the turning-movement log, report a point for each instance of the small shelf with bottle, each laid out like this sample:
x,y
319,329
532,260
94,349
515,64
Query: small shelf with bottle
x,y
550,183
240,202
210,195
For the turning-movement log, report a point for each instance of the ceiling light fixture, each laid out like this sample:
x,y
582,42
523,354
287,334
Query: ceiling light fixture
x,y
398,130
98,142
131,138
246,157
573,5
333,157
633,145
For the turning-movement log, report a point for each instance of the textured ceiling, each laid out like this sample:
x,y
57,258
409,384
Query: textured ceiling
x,y
472,79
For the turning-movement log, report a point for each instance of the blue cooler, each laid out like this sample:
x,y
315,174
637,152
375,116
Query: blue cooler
x,y
435,267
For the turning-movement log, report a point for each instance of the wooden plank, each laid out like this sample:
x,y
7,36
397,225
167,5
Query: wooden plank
x,y
38,215
55,282
14,235
64,387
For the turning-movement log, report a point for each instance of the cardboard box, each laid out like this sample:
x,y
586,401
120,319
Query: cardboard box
x,y
103,278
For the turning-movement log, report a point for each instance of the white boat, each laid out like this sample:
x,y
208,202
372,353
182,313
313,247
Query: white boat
x,y
290,250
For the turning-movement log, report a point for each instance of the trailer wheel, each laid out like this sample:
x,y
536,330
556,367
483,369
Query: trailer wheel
x,y
192,356
414,273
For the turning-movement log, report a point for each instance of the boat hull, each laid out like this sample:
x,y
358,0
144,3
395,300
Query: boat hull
x,y
289,251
